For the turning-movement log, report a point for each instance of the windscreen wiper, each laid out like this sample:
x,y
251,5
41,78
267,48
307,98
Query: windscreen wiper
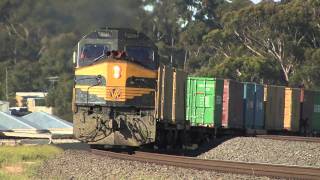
x,y
100,57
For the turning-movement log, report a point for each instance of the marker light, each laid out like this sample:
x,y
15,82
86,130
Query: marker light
x,y
116,72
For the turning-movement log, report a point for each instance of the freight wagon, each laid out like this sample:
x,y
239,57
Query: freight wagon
x,y
227,104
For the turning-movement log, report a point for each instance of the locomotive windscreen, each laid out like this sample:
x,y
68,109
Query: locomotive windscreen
x,y
91,52
142,55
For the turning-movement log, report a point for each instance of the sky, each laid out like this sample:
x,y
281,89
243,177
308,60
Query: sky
x,y
149,8
256,1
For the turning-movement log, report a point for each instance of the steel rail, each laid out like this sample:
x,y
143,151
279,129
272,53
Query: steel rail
x,y
290,138
255,169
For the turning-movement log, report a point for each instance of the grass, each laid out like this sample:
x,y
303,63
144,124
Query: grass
x,y
21,162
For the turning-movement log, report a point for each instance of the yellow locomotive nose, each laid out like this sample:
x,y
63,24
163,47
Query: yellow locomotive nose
x,y
121,81
120,75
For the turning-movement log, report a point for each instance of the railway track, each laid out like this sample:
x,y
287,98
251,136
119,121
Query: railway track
x,y
290,138
255,169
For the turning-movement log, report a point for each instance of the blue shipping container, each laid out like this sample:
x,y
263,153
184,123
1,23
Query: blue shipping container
x,y
248,104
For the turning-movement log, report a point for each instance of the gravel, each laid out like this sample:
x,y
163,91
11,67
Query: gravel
x,y
250,149
82,165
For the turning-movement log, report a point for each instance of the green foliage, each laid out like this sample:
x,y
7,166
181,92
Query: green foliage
x,y
308,74
56,58
24,76
37,40
276,31
63,90
279,33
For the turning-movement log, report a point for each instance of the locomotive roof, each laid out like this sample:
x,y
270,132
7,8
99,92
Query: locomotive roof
x,y
113,33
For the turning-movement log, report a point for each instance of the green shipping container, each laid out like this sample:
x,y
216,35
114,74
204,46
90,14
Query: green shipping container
x,y
204,101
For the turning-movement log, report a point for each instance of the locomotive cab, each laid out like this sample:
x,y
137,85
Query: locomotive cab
x,y
99,45
114,88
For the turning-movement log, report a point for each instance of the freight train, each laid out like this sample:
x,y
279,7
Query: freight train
x,y
123,96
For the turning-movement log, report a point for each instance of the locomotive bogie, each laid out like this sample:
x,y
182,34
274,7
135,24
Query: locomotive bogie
x,y
115,126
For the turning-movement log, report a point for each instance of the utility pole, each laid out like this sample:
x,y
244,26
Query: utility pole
x,y
185,60
171,57
7,96
53,79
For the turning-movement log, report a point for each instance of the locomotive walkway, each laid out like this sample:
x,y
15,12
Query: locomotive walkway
x,y
255,169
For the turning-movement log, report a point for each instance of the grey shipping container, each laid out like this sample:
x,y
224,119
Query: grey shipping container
x,y
232,109
170,96
274,110
259,107
307,100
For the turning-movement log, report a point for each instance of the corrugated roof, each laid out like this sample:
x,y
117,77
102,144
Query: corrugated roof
x,y
2,128
47,121
8,122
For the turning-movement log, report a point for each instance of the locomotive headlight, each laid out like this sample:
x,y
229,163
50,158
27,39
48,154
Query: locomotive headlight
x,y
116,72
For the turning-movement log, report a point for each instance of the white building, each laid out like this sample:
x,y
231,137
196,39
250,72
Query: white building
x,y
4,106
35,101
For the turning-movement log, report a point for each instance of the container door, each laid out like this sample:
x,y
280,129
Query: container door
x,y
268,115
288,109
258,107
307,111
248,105
278,107
205,101
292,109
274,108
225,104
238,105
316,112
166,95
235,105
190,100
199,94
295,122
218,102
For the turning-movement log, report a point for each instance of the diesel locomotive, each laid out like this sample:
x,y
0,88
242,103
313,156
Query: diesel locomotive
x,y
114,88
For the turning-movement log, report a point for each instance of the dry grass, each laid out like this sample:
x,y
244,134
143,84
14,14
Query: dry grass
x,y
21,162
